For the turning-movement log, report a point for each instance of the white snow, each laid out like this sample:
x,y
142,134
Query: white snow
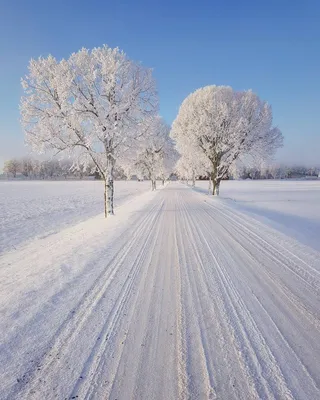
x,y
178,296
293,207
40,208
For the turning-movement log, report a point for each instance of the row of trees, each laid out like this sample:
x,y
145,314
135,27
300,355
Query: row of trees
x,y
149,164
101,109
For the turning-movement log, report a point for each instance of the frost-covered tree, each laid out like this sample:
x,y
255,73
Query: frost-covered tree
x,y
226,126
51,168
169,161
12,167
155,148
192,163
65,167
183,169
26,167
91,104
190,166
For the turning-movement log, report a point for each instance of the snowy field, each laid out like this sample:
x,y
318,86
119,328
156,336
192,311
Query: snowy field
x,y
180,296
36,209
292,207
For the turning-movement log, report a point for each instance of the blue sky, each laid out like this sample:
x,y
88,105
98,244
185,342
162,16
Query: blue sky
x,y
270,47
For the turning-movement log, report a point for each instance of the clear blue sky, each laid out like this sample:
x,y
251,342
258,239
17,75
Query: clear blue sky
x,y
272,47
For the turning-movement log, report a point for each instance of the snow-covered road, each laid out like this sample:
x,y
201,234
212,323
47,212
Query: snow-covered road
x,y
178,297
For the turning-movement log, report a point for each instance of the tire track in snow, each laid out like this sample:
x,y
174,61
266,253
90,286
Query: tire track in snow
x,y
306,272
198,380
159,340
144,365
222,367
197,303
256,251
228,378
86,387
181,318
114,348
253,349
65,338
242,242
309,384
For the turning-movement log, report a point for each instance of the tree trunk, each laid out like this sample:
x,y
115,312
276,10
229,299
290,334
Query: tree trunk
x,y
217,187
109,189
154,184
108,197
105,199
193,179
213,185
209,188
215,180
162,182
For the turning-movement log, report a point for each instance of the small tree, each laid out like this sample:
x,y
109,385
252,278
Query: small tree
x,y
65,166
154,150
190,166
183,170
169,161
91,104
226,126
26,167
51,168
12,167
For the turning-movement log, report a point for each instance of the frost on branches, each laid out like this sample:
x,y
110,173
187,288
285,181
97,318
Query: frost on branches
x,y
90,106
191,163
155,158
225,126
12,167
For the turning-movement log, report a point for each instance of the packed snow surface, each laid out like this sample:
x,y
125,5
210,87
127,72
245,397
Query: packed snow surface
x,y
292,207
180,296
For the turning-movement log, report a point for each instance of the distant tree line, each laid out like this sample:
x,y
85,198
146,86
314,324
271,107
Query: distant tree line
x,y
277,172
30,168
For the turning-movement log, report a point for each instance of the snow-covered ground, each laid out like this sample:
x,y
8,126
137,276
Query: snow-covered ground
x,y
30,209
180,296
292,207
